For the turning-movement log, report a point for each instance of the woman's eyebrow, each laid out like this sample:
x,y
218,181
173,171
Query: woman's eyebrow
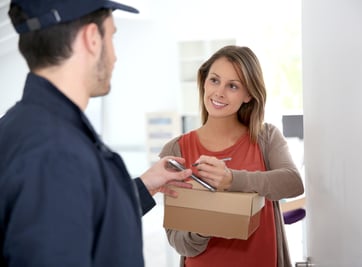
x,y
238,80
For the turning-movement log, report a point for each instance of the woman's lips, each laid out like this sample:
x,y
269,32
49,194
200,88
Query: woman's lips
x,y
218,104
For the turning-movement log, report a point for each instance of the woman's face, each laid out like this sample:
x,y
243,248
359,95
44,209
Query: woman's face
x,y
224,91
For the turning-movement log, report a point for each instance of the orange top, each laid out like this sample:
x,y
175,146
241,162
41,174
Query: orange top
x,y
260,249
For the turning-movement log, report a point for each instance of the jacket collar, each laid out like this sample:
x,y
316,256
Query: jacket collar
x,y
40,91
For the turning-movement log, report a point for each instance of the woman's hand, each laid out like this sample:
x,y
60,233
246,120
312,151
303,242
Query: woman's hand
x,y
215,172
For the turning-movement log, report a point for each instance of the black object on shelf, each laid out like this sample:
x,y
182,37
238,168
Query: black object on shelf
x,y
293,126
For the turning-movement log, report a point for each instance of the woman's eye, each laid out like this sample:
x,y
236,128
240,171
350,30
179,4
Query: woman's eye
x,y
233,86
214,80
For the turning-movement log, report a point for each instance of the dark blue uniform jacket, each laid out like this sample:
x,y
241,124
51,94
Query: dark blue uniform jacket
x,y
65,198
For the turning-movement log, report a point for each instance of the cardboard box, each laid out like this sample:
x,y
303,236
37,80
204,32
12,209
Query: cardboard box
x,y
218,214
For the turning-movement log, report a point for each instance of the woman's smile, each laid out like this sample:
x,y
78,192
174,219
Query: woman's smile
x,y
218,104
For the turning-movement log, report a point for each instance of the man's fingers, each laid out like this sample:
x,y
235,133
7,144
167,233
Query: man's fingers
x,y
180,184
182,174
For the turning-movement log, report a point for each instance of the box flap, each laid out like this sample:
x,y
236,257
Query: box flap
x,y
226,202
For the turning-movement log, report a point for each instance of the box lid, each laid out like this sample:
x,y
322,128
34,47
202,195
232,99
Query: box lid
x,y
226,202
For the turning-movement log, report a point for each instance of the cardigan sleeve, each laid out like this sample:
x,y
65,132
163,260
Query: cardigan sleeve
x,y
171,148
282,178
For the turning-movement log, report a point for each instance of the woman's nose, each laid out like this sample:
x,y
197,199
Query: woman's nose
x,y
220,90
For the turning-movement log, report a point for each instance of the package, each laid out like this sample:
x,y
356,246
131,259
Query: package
x,y
217,214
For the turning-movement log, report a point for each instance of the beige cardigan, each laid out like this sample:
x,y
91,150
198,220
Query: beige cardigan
x,y
281,180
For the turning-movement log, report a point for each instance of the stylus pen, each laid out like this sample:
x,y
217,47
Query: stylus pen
x,y
223,159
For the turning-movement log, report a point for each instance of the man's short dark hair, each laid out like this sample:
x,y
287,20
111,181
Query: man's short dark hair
x,y
52,45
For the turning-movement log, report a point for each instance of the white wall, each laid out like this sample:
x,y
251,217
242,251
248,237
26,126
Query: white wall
x,y
332,71
12,81
145,79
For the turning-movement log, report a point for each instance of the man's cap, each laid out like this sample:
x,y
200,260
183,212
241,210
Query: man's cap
x,y
44,13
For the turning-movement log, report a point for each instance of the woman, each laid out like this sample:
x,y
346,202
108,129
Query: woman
x,y
232,99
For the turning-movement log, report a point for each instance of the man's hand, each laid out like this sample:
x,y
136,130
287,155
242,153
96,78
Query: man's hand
x,y
161,175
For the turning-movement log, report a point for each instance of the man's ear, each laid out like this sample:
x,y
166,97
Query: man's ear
x,y
92,38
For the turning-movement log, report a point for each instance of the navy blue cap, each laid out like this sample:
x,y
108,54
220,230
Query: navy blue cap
x,y
45,13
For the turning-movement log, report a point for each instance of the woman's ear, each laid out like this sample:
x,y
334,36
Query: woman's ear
x,y
248,98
